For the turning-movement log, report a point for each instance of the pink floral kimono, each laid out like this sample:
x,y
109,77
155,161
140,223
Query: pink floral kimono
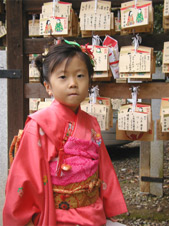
x,y
59,148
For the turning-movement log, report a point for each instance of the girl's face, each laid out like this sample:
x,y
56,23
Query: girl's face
x,y
69,85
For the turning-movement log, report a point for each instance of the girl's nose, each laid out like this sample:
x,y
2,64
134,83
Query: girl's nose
x,y
73,82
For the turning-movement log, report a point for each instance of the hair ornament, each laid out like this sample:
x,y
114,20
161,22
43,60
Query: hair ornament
x,y
88,51
84,49
72,43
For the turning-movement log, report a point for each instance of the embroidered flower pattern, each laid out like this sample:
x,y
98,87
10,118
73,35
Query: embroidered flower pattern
x,y
96,137
20,191
64,206
45,180
68,131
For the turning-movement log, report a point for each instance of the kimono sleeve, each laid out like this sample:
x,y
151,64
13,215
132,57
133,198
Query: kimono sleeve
x,y
111,193
25,184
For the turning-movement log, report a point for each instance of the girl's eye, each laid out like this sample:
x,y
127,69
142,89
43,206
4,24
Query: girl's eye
x,y
80,76
62,77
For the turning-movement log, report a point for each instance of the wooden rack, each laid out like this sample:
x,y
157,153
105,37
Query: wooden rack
x,y
20,90
20,45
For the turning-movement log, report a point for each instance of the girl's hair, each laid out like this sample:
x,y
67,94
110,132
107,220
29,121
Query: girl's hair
x,y
56,55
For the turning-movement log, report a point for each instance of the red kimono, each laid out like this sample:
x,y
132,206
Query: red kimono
x,y
29,192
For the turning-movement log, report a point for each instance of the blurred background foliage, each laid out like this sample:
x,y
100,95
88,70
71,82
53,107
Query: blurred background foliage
x,y
158,18
158,29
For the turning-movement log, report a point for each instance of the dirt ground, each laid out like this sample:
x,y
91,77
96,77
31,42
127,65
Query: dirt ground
x,y
143,209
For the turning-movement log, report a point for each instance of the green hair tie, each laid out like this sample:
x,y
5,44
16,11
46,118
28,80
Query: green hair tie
x,y
72,43
86,51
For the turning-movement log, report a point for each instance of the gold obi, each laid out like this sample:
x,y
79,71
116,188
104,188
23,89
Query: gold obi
x,y
77,194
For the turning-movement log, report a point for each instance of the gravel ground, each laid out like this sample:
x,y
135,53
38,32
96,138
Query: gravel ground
x,y
144,209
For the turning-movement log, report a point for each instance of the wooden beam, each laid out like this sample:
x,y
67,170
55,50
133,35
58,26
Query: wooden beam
x,y
151,90
35,5
35,90
146,90
36,45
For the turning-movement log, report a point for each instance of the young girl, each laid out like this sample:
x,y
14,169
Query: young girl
x,y
62,173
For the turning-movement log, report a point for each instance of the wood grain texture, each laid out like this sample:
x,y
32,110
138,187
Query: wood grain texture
x,y
156,41
35,90
156,154
156,166
112,90
146,90
35,5
17,105
37,45
144,167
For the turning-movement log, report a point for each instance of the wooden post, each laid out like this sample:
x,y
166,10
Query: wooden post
x,y
144,165
156,154
144,161
17,105
151,158
13,104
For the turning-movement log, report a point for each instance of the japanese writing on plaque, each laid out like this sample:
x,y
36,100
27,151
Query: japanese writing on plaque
x,y
166,8
92,21
34,27
101,112
101,7
166,53
100,58
165,123
56,9
133,121
135,62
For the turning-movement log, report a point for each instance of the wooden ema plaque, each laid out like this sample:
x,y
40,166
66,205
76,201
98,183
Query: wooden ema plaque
x,y
137,18
161,135
133,135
